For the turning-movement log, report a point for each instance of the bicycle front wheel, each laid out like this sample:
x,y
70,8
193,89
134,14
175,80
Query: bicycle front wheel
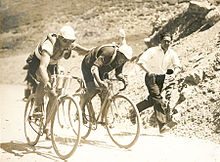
x,y
65,134
123,126
32,125
87,117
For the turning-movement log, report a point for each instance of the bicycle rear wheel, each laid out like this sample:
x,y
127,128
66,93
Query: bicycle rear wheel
x,y
87,117
121,130
33,126
65,135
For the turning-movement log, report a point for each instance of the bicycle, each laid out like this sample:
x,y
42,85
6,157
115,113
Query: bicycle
x,y
116,110
65,137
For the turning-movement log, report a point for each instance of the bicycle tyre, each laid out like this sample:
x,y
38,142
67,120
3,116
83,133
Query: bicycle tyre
x,y
60,114
86,127
36,126
72,136
118,122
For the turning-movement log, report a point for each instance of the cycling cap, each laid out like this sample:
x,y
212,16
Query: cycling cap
x,y
67,32
126,50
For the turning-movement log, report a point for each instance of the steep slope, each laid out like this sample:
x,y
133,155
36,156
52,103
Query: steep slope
x,y
197,90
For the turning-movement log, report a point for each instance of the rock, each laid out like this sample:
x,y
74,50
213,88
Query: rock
x,y
213,17
139,1
182,1
218,128
216,65
214,2
172,2
199,7
195,78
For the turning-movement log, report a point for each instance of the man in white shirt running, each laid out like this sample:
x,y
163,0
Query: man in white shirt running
x,y
156,62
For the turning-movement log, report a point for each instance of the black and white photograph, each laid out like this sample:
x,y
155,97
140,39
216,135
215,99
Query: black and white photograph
x,y
110,80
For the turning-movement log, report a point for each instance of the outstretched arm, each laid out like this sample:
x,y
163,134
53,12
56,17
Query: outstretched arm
x,y
79,49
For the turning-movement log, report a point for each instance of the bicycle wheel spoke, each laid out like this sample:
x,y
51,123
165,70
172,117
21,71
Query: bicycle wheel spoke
x,y
119,126
65,131
87,120
32,125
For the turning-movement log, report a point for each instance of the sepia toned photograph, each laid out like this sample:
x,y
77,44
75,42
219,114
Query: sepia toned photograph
x,y
110,80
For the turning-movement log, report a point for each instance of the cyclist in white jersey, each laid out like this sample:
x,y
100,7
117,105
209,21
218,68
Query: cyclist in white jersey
x,y
43,62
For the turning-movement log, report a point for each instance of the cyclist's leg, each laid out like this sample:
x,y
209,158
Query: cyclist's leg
x,y
90,85
49,113
50,107
102,98
52,99
90,93
39,94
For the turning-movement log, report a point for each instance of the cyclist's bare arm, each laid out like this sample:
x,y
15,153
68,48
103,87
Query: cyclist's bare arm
x,y
44,62
82,50
95,73
118,73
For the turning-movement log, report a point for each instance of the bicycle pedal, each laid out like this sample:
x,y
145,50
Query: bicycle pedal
x,y
102,123
37,115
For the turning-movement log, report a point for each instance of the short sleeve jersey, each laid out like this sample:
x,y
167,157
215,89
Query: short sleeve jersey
x,y
51,46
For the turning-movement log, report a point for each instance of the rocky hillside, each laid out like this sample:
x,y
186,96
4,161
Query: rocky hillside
x,y
194,26
196,95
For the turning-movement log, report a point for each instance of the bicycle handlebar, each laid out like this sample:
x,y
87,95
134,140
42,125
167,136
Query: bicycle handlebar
x,y
50,90
109,81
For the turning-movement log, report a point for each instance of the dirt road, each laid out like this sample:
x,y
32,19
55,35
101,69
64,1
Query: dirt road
x,y
151,146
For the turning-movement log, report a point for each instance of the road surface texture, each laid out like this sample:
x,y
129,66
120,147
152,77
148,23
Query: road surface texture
x,y
150,147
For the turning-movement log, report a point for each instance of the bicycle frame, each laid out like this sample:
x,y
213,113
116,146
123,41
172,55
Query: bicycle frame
x,y
111,115
107,99
45,113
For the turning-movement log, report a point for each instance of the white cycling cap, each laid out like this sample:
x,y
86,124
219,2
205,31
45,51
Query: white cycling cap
x,y
126,50
68,32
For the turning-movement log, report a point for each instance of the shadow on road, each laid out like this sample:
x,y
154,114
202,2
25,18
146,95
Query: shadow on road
x,y
20,149
151,135
97,144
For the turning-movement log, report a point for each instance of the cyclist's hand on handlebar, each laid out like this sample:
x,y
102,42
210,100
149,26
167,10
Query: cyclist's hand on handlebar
x,y
123,79
48,87
125,82
103,84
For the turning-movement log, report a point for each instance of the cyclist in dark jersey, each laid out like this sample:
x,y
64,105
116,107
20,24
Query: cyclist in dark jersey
x,y
98,63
